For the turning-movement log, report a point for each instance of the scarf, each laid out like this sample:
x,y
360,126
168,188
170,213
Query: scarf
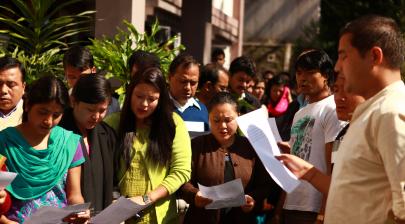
x,y
281,106
38,170
97,170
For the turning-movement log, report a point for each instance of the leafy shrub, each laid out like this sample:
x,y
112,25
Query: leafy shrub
x,y
112,54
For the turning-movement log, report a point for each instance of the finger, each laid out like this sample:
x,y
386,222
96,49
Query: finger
x,y
205,199
282,157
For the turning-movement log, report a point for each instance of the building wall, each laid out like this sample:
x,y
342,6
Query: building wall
x,y
201,24
110,14
272,26
278,20
225,6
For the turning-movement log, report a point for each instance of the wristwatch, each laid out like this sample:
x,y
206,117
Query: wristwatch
x,y
146,199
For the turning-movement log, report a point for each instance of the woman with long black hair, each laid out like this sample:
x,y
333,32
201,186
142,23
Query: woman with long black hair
x,y
154,157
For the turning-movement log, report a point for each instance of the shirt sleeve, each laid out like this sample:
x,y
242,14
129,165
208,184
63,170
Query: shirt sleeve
x,y
331,125
180,166
190,189
390,141
78,158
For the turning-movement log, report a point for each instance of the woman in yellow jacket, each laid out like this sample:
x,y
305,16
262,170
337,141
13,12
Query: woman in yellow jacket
x,y
154,157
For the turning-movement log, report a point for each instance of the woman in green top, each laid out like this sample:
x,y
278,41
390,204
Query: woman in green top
x,y
46,157
154,157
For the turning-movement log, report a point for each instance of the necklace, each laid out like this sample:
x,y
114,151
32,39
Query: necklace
x,y
224,150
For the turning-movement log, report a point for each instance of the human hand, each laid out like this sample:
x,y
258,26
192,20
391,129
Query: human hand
x,y
5,220
250,203
138,200
296,165
78,218
200,201
318,222
267,206
284,147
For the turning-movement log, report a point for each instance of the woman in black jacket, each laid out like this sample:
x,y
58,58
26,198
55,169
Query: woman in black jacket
x,y
90,99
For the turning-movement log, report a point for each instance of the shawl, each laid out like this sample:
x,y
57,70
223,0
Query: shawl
x,y
97,171
38,170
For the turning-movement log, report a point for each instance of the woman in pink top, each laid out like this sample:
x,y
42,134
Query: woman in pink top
x,y
279,96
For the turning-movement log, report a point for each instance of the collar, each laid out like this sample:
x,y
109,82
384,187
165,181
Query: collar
x,y
19,104
393,87
242,96
190,103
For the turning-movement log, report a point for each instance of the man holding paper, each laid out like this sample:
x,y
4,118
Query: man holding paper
x,y
368,181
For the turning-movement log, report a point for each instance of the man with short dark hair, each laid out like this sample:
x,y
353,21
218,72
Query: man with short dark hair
x,y
368,181
12,86
77,60
184,73
213,79
313,132
242,71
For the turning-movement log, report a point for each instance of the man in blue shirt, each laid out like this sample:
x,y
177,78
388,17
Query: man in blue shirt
x,y
184,73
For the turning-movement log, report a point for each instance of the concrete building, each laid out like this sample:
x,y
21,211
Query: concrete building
x,y
202,25
271,28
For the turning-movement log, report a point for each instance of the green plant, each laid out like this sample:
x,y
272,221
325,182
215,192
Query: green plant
x,y
112,54
36,33
47,63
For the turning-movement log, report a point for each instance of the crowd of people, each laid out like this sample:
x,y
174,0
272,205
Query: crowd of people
x,y
342,127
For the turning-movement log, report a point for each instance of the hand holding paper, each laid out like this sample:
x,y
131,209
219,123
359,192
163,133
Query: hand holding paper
x,y
200,201
227,195
249,205
52,215
255,126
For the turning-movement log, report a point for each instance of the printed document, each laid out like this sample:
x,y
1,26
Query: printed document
x,y
255,126
227,195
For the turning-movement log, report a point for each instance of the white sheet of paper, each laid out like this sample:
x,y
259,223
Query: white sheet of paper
x,y
196,126
118,212
54,215
227,195
6,178
274,129
256,128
